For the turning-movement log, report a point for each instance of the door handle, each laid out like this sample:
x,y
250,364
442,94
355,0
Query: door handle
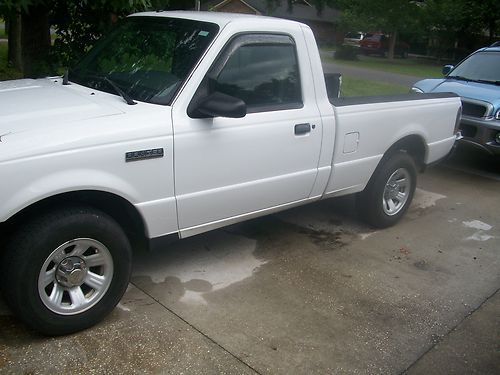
x,y
301,129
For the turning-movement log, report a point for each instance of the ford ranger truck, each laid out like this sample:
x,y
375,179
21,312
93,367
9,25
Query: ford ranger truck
x,y
177,123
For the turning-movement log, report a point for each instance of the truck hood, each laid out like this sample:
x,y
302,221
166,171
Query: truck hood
x,y
42,117
29,104
474,90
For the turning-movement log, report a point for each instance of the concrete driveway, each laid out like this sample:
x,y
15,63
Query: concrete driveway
x,y
310,290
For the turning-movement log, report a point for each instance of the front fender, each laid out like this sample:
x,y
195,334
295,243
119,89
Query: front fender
x,y
24,190
147,184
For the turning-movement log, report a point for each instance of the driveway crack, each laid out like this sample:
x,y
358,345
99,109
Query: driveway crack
x,y
453,329
198,330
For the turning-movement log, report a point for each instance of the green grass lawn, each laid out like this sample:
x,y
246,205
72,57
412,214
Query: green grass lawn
x,y
411,66
2,30
352,86
5,71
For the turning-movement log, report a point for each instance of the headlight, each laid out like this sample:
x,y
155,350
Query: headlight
x,y
416,90
497,115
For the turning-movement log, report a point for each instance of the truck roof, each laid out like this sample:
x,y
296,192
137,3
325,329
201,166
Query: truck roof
x,y
219,18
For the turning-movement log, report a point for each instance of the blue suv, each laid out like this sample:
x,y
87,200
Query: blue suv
x,y
477,80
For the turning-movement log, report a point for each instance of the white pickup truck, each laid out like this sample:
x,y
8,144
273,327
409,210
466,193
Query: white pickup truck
x,y
177,123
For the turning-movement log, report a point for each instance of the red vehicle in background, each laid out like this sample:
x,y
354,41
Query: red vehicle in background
x,y
378,43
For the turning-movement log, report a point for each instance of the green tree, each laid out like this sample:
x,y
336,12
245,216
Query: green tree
x,y
29,33
484,15
456,27
78,24
390,16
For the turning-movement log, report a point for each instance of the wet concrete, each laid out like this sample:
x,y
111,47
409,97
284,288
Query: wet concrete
x,y
140,336
310,290
463,350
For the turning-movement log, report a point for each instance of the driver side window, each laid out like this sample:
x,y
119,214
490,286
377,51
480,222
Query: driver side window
x,y
265,77
260,69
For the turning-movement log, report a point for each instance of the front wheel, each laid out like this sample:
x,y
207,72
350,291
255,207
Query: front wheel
x,y
389,192
66,270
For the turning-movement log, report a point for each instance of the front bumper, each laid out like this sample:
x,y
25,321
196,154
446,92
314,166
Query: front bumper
x,y
480,133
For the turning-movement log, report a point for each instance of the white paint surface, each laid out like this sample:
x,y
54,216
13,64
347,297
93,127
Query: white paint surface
x,y
424,199
480,227
364,236
123,307
480,236
477,224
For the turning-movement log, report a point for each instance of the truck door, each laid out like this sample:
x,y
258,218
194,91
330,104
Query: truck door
x,y
226,168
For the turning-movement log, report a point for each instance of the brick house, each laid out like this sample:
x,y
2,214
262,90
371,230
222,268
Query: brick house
x,y
324,25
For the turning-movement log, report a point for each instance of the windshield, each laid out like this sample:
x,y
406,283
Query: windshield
x,y
354,35
146,57
481,66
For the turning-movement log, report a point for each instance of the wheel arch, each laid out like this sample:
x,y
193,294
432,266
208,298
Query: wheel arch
x,y
414,145
371,201
117,207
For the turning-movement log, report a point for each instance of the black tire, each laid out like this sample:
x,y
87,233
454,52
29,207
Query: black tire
x,y
29,250
372,203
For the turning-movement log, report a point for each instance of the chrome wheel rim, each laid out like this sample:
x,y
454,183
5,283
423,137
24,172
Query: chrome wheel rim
x,y
75,276
396,192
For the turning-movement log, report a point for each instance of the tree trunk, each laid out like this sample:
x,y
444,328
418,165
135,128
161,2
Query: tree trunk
x,y
492,26
14,45
392,45
35,41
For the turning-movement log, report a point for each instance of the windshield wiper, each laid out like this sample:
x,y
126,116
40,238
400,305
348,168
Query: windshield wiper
x,y
488,81
118,90
122,93
459,78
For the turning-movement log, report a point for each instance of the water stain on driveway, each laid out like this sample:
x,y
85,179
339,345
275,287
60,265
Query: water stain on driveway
x,y
199,265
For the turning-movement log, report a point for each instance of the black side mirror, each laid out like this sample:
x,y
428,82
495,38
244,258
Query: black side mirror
x,y
333,84
447,69
218,104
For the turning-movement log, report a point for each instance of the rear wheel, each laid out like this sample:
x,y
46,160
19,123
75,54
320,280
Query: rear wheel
x,y
66,270
389,192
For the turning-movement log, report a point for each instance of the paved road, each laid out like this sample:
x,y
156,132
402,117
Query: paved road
x,y
371,74
310,290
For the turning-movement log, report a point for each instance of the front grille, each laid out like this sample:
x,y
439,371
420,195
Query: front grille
x,y
474,109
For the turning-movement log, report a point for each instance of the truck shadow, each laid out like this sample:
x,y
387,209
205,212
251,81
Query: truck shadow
x,y
470,160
